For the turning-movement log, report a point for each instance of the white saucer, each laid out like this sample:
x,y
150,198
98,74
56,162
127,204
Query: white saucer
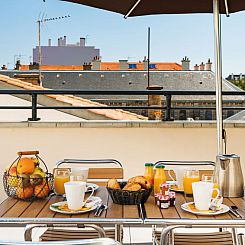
x,y
223,209
90,206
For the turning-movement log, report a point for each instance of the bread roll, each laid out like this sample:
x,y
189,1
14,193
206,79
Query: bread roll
x,y
140,180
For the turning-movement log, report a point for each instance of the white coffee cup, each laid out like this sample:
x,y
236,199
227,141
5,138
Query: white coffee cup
x,y
75,192
79,174
202,194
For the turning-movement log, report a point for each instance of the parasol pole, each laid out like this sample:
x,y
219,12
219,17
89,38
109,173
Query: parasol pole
x,y
218,76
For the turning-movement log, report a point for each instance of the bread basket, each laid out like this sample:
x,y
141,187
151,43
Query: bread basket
x,y
129,197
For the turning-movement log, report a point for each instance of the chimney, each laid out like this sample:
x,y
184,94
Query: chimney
x,y
96,63
185,64
240,76
59,41
87,67
123,65
145,63
209,65
49,42
82,41
202,67
64,41
196,67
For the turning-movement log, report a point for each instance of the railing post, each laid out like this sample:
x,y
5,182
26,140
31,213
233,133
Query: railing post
x,y
34,108
168,108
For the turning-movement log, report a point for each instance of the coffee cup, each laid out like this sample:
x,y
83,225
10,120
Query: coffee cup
x,y
75,192
202,194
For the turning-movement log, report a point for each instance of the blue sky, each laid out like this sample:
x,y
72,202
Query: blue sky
x,y
172,36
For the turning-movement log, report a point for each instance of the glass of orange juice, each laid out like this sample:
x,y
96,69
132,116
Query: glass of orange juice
x,y
190,176
213,179
61,176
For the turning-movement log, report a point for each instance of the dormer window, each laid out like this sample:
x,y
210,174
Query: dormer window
x,y
132,66
152,66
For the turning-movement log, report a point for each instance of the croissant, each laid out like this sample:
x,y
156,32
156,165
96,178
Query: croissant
x,y
113,184
140,180
132,187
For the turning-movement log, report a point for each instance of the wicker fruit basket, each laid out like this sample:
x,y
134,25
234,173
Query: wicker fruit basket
x,y
129,197
26,180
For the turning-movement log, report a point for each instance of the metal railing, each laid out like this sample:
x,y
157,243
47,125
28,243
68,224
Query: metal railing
x,y
167,108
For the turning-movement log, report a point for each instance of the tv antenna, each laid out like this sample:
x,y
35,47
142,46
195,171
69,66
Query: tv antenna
x,y
43,20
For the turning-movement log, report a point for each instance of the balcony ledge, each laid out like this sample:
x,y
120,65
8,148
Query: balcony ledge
x,y
121,124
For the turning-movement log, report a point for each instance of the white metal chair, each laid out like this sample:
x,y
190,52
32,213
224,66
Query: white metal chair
x,y
99,241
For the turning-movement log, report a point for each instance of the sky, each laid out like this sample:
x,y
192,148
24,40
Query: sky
x,y
172,36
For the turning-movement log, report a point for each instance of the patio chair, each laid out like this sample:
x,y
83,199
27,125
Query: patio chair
x,y
98,175
99,241
214,238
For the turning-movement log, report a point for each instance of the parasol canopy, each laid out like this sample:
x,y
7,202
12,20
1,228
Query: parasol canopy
x,y
149,7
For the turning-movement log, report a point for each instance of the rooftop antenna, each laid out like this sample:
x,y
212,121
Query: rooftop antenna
x,y
43,20
148,57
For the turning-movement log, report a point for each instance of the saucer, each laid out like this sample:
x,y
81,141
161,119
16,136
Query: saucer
x,y
62,207
190,207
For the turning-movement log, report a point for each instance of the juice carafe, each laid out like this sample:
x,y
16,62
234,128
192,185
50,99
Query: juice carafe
x,y
149,172
159,178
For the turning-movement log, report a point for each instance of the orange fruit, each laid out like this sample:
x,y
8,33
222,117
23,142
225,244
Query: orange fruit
x,y
25,166
24,193
42,190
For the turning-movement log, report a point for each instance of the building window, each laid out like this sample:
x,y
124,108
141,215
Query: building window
x,y
132,66
152,66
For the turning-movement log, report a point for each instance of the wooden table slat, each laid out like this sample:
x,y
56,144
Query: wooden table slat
x,y
17,209
6,205
34,209
151,209
46,212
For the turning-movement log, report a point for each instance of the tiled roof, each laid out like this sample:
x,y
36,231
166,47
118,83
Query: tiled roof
x,y
111,66
114,114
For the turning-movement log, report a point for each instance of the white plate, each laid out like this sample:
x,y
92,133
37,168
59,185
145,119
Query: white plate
x,y
96,187
223,209
96,202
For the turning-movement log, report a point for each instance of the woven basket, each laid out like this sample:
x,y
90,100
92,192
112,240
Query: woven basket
x,y
28,189
129,197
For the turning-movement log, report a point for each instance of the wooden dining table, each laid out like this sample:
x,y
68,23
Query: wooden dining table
x,y
20,213
176,217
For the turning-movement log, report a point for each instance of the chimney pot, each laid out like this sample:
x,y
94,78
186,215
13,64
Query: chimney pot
x,y
209,65
196,67
185,64
202,67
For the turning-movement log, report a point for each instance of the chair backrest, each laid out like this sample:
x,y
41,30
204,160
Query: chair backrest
x,y
192,164
98,241
96,172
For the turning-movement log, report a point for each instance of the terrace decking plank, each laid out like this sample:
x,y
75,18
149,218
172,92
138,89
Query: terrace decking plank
x,y
170,213
6,205
17,209
151,210
34,209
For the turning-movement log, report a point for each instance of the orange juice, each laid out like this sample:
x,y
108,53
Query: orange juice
x,y
188,184
214,194
159,178
59,182
149,172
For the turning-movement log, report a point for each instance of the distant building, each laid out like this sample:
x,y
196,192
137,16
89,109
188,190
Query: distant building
x,y
235,77
66,54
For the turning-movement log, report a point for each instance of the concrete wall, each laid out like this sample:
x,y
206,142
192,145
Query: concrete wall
x,y
66,55
131,143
